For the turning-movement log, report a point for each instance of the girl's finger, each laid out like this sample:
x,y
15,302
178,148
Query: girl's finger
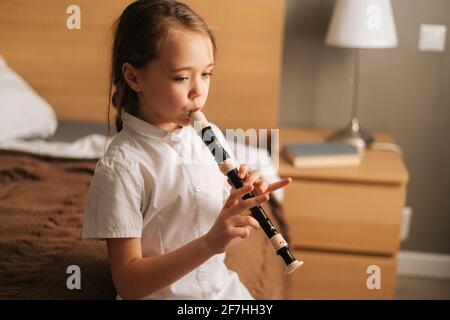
x,y
231,203
242,232
246,220
249,203
242,171
237,194
279,184
260,187
252,177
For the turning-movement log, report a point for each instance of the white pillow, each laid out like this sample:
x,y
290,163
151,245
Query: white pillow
x,y
23,113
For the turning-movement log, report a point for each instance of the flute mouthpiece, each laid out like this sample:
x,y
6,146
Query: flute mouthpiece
x,y
199,119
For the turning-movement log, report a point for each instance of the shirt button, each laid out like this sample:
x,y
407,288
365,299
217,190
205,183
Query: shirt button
x,y
179,150
197,188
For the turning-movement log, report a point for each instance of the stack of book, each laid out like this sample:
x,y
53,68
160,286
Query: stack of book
x,y
322,155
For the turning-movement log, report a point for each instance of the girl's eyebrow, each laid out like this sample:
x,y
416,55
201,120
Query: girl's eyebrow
x,y
190,68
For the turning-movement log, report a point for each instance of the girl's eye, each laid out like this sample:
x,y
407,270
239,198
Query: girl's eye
x,y
209,74
205,74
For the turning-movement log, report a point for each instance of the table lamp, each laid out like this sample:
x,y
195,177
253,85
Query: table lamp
x,y
360,24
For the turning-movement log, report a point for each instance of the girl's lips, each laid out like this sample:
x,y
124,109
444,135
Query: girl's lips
x,y
191,112
194,110
196,106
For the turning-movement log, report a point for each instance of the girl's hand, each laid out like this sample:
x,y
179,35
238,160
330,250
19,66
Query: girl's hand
x,y
234,219
260,187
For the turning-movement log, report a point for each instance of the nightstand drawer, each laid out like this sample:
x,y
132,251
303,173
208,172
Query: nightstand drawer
x,y
344,216
330,275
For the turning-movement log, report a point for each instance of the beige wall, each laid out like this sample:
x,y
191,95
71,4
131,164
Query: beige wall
x,y
402,91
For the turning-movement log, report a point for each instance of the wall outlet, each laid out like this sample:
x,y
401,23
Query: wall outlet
x,y
406,223
432,37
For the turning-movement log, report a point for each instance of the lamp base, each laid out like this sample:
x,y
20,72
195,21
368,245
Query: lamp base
x,y
354,135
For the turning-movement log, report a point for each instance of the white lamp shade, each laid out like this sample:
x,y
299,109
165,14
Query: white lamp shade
x,y
362,24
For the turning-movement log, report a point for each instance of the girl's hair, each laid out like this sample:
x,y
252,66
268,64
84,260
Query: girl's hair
x,y
139,32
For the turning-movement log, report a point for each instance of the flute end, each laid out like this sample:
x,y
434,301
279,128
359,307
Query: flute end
x,y
293,266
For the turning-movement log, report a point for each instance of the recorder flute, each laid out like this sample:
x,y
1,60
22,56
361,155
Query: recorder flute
x,y
228,167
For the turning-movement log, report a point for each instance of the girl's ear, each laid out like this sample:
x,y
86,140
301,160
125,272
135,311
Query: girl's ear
x,y
130,74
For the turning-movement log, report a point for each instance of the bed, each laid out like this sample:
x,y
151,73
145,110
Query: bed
x,y
42,196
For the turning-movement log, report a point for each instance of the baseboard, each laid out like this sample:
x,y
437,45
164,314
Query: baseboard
x,y
423,265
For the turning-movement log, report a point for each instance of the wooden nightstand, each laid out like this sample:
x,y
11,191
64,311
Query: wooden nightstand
x,y
343,220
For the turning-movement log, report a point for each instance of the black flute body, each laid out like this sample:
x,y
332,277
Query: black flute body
x,y
229,168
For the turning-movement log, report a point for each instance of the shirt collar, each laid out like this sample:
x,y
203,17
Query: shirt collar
x,y
148,130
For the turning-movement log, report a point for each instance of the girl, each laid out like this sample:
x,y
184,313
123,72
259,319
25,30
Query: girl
x,y
167,221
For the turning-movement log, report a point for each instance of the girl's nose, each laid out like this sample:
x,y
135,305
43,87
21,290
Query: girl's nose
x,y
194,95
197,90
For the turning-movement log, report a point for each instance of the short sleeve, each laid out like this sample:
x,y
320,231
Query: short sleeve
x,y
113,207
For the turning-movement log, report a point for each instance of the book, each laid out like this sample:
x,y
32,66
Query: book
x,y
322,155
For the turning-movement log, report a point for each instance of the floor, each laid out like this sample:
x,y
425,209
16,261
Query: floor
x,y
422,289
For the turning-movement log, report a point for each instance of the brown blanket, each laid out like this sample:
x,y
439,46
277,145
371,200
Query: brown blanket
x,y
41,211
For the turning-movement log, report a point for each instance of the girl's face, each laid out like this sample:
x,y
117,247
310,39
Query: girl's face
x,y
175,84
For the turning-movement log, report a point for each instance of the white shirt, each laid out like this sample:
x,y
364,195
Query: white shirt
x,y
148,186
